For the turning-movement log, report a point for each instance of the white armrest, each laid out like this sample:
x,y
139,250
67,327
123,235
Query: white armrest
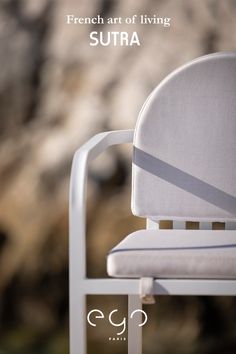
x,y
77,208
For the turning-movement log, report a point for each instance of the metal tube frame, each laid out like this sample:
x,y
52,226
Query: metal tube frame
x,y
80,285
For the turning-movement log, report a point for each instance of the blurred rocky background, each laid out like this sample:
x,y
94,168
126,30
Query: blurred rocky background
x,y
56,92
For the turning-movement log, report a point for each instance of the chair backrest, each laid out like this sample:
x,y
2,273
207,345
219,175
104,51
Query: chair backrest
x,y
184,160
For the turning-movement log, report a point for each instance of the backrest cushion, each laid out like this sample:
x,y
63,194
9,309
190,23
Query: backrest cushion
x,y
184,160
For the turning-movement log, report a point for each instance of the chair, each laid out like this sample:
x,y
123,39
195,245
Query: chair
x,y
183,169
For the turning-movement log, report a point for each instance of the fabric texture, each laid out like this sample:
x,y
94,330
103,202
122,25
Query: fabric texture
x,y
189,124
190,254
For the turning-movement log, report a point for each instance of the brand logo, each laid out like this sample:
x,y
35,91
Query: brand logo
x,y
95,315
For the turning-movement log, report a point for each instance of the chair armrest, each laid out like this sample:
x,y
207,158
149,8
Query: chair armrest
x,y
77,200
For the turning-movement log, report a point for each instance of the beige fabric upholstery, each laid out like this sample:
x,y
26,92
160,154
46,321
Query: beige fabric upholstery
x,y
184,165
198,254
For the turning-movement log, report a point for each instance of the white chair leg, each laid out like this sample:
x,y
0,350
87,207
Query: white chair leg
x,y
134,331
78,335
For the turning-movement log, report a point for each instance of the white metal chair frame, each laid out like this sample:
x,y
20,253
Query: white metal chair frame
x,y
80,285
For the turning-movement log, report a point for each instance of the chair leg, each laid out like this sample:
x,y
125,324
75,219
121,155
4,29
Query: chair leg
x,y
78,335
134,331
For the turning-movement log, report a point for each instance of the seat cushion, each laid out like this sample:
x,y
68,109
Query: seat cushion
x,y
192,254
